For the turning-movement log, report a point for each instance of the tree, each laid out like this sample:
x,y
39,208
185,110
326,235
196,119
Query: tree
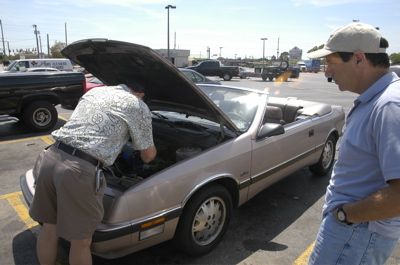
x,y
316,48
395,58
284,56
56,49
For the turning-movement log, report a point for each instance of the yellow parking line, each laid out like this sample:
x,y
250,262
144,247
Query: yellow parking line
x,y
303,259
15,201
48,139
61,117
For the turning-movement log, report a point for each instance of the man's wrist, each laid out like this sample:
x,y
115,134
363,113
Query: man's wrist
x,y
342,216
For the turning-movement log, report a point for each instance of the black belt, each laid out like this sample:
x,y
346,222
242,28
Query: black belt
x,y
75,152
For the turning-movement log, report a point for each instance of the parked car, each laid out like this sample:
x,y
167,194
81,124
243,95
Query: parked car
x,y
40,69
217,147
198,78
93,82
23,64
243,73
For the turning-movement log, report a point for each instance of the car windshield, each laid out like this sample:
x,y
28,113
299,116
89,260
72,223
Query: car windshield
x,y
11,66
238,104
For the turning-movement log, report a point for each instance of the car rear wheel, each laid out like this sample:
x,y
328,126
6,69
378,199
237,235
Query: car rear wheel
x,y
204,220
40,116
325,163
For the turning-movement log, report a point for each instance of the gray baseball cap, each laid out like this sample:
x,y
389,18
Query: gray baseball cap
x,y
350,38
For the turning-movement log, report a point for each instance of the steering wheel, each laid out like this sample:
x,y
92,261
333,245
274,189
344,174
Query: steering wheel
x,y
236,116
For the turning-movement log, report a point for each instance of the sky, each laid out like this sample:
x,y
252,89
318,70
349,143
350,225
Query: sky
x,y
229,28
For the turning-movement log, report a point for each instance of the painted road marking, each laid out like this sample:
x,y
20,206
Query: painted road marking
x,y
47,139
15,201
303,259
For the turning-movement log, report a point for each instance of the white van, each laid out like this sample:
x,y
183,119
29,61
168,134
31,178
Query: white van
x,y
22,65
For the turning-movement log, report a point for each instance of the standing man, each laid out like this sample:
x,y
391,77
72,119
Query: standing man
x,y
69,185
361,215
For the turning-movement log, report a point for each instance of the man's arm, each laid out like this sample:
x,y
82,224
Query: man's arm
x,y
381,205
148,154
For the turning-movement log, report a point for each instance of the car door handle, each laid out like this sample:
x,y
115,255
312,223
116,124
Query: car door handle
x,y
311,133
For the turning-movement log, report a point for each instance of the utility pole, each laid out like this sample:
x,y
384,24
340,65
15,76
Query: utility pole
x,y
66,41
2,37
220,48
40,41
48,46
208,52
37,41
277,51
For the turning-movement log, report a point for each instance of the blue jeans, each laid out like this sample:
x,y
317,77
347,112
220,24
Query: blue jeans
x,y
342,244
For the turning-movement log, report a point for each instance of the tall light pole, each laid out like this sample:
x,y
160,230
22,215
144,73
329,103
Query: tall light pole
x,y
169,7
264,39
220,49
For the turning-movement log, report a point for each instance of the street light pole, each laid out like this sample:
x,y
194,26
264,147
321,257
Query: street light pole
x,y
263,39
169,7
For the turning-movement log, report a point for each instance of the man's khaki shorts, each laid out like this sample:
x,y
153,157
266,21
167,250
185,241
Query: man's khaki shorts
x,y
65,195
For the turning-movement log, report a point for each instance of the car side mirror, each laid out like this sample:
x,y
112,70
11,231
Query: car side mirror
x,y
270,129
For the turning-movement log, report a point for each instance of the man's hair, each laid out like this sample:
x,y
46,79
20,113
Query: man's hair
x,y
377,59
136,86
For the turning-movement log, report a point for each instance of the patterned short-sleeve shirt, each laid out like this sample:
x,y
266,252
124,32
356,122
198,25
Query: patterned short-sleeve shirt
x,y
104,120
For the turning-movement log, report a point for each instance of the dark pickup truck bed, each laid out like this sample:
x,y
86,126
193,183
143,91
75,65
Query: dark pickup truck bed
x,y
32,97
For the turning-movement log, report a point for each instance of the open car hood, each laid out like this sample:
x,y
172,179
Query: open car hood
x,y
167,88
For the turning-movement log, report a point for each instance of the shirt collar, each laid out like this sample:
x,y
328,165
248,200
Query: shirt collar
x,y
378,87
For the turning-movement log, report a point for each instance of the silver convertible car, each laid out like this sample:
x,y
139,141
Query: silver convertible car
x,y
218,147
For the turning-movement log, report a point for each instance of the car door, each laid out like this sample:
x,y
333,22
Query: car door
x,y
275,157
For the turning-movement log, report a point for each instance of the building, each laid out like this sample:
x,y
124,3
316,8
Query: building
x,y
180,58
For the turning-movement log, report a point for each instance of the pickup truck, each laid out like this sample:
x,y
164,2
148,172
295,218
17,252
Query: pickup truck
x,y
32,97
281,71
216,68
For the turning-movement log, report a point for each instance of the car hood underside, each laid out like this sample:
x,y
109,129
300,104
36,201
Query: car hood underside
x,y
116,62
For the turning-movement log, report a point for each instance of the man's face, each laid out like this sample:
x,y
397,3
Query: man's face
x,y
341,72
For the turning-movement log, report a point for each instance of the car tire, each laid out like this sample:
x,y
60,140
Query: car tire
x,y
326,161
204,220
227,76
40,116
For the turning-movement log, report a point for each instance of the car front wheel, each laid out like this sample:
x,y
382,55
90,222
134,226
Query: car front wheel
x,y
325,163
204,220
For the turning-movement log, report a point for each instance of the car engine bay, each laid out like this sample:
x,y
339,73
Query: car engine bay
x,y
174,141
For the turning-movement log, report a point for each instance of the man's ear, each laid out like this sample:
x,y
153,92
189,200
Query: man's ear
x,y
360,58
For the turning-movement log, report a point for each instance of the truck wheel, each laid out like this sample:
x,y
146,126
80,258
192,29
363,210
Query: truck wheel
x,y
227,76
40,116
270,78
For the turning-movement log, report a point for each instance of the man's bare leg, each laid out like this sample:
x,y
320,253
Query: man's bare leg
x,y
47,244
79,252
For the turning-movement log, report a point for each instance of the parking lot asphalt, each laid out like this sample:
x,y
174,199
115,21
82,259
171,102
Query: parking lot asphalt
x,y
278,226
